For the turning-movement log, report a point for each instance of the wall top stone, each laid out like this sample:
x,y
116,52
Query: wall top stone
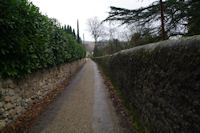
x,y
168,43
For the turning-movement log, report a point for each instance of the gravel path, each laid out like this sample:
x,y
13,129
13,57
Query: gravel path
x,y
83,107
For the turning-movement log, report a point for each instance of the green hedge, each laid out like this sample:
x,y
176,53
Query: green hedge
x,y
161,84
31,41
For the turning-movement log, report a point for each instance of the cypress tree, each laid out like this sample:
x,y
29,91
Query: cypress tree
x,y
78,37
74,34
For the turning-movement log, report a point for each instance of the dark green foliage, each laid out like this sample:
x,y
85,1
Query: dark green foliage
x,y
142,38
68,29
181,17
194,19
31,41
78,36
112,46
74,34
161,84
107,48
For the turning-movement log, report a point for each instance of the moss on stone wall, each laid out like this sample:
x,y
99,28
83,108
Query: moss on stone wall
x,y
161,84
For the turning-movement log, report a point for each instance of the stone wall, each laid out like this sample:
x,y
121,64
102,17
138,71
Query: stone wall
x,y
18,95
160,83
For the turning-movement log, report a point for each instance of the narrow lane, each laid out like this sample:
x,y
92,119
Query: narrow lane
x,y
83,107
104,117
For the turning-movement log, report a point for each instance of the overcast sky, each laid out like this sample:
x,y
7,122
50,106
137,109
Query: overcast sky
x,y
68,11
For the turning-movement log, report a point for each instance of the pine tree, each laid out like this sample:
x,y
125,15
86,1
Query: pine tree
x,y
181,17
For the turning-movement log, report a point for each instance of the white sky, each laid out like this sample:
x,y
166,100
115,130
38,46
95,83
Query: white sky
x,y
68,11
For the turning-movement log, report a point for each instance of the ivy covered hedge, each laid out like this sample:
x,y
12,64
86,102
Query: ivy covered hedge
x,y
30,41
161,84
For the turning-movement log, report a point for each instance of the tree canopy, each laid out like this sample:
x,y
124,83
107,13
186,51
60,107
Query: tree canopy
x,y
181,17
95,28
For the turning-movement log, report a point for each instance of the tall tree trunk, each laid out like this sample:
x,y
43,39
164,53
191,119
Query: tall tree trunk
x,y
162,21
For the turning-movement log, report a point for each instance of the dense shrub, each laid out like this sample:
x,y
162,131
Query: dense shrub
x,y
31,41
161,84
113,46
108,47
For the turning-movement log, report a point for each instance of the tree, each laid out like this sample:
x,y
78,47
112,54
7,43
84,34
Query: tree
x,y
193,17
111,31
162,21
74,34
78,36
96,28
68,29
181,17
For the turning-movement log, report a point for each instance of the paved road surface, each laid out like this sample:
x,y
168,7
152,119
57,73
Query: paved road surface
x,y
83,107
